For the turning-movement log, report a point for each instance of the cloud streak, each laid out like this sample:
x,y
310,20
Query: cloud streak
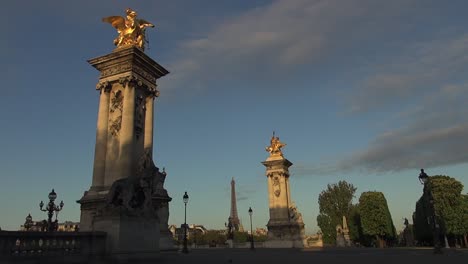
x,y
420,69
431,90
271,40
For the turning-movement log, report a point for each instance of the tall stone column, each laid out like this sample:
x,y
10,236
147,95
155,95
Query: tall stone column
x,y
285,227
131,204
101,138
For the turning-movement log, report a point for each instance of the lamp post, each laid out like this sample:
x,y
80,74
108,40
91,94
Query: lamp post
x,y
251,229
50,209
185,249
230,229
29,222
424,179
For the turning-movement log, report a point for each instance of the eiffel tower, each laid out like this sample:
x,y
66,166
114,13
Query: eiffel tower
x,y
233,217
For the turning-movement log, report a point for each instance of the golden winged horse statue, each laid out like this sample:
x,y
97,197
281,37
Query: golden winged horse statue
x,y
131,30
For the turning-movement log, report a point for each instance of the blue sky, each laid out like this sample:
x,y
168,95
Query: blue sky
x,y
363,91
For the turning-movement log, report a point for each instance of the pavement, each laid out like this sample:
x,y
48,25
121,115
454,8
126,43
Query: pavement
x,y
275,256
317,256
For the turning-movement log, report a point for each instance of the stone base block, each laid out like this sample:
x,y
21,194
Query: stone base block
x,y
284,244
230,243
129,234
285,235
166,241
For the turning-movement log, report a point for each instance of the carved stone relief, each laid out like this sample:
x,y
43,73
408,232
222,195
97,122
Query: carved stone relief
x,y
276,186
140,109
116,105
116,70
144,74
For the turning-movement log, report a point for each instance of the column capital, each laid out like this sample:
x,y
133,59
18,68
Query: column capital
x,y
129,64
131,81
104,86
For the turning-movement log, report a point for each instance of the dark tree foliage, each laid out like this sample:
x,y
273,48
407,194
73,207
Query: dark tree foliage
x,y
327,228
334,203
241,237
449,209
421,228
465,219
211,235
376,220
354,224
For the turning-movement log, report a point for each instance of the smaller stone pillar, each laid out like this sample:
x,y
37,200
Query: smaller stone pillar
x,y
285,227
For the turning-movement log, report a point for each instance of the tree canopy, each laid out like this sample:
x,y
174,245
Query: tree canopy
x,y
450,208
334,203
446,192
375,217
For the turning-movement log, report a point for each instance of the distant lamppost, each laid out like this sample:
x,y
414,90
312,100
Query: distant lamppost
x,y
424,179
185,249
251,230
230,229
29,222
50,209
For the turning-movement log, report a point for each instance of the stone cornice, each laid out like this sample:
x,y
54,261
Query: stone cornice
x,y
129,62
277,163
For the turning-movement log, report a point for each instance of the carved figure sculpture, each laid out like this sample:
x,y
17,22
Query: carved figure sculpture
x,y
134,194
130,29
294,213
275,146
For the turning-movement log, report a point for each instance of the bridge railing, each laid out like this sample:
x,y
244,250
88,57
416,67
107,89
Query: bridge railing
x,y
24,243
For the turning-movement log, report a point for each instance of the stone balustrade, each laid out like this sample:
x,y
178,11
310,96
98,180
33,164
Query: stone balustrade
x,y
21,244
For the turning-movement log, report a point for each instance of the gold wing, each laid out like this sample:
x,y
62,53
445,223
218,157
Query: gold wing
x,y
145,23
116,21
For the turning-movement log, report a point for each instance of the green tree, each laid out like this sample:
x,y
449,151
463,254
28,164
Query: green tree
x,y
354,224
376,220
211,235
421,229
260,238
241,237
328,228
448,203
446,192
334,203
465,218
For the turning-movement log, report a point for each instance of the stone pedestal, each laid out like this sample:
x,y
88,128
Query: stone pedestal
x,y
286,235
127,234
285,227
127,198
230,243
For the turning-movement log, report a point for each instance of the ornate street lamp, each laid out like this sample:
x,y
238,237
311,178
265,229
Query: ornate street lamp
x,y
50,209
424,179
251,230
29,222
185,249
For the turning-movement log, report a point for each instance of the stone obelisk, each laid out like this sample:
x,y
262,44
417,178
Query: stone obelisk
x,y
127,198
285,227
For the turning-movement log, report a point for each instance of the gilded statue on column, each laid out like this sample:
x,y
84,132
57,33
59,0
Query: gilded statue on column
x,y
275,146
130,29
